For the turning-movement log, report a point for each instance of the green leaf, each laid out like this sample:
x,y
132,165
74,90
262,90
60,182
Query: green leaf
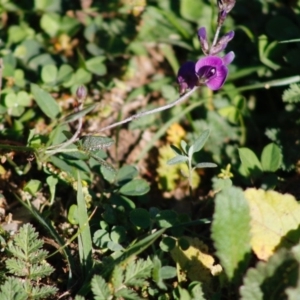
x,y
137,272
96,66
183,145
84,238
82,77
45,102
79,114
177,160
167,244
13,289
140,217
118,234
136,187
33,186
127,294
176,150
168,272
201,140
93,142
133,250
271,158
292,94
268,280
100,288
205,165
156,274
50,23
231,231
195,289
250,162
52,182
64,73
101,238
166,218
73,214
49,73
126,174
47,5
220,183
191,10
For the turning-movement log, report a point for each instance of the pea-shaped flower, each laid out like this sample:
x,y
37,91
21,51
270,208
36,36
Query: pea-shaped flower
x,y
211,71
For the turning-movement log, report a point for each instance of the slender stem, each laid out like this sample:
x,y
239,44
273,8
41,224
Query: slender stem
x,y
150,112
62,150
17,148
73,139
216,36
190,177
68,142
1,68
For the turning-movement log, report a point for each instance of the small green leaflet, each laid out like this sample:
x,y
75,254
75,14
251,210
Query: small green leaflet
x,y
92,142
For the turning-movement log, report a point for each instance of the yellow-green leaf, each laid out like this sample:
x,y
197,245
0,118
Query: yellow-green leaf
x,y
273,215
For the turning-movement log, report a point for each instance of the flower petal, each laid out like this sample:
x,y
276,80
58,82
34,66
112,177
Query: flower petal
x,y
216,82
228,58
203,40
222,43
213,61
186,76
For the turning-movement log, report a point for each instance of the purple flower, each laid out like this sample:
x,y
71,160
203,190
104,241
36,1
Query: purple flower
x,y
210,71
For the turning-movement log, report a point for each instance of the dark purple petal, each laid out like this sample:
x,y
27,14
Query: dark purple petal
x,y
203,40
186,76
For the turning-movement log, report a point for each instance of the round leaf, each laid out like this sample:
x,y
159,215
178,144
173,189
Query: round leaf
x,y
136,187
49,73
140,217
167,244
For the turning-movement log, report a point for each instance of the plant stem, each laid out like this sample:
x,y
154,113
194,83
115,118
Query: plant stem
x,y
150,112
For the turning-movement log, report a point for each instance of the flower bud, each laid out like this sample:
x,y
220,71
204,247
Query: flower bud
x,y
203,40
81,93
222,43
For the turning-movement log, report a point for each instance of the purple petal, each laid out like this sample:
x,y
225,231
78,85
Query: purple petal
x,y
211,71
202,33
222,43
213,61
203,39
228,58
186,76
218,80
